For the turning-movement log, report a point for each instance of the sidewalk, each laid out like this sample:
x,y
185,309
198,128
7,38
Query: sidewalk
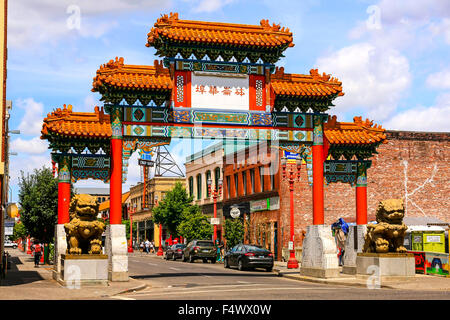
x,y
420,281
25,282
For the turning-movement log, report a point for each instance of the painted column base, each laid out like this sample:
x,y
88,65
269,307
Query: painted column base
x,y
353,247
116,249
319,258
60,248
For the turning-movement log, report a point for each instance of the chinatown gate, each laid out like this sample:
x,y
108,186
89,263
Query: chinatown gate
x,y
215,81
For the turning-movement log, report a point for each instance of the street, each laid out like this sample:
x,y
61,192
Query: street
x,y
176,280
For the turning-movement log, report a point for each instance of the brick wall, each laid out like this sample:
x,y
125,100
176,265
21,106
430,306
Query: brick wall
x,y
415,164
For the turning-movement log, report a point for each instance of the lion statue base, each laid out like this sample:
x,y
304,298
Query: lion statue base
x,y
388,234
84,231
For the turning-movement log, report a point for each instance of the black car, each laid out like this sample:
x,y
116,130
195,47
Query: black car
x,y
248,256
175,251
200,249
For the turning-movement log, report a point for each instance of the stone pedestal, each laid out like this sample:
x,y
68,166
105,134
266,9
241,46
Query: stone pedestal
x,y
353,245
319,257
386,266
59,249
117,251
83,269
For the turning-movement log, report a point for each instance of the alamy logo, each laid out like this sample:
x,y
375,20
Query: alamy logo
x,y
374,281
73,280
74,20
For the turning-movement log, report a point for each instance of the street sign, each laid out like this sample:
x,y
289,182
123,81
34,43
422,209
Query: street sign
x,y
215,220
291,245
235,212
148,163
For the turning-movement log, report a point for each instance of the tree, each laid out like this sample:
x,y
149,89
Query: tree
x,y
195,224
169,211
234,232
19,231
38,198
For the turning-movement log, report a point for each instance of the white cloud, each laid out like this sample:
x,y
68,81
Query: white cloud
x,y
373,79
31,123
47,21
434,118
27,165
439,80
32,146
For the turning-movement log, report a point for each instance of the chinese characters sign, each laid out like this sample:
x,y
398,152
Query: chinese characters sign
x,y
220,92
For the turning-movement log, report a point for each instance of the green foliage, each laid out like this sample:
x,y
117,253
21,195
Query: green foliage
x,y
38,198
127,224
19,232
169,211
194,224
234,232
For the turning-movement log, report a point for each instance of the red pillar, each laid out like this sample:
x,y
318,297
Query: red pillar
x,y
63,202
361,193
115,185
63,190
317,153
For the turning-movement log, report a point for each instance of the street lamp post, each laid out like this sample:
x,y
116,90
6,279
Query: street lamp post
x,y
160,249
130,212
292,263
215,194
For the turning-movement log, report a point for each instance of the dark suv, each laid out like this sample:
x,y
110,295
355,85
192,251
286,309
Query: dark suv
x,y
200,249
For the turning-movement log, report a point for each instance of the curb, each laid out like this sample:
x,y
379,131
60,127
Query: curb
x,y
324,281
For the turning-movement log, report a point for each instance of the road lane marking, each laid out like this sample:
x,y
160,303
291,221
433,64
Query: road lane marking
x,y
176,269
231,290
122,298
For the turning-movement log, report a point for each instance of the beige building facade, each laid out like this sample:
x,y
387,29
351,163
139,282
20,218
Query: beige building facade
x,y
201,166
156,190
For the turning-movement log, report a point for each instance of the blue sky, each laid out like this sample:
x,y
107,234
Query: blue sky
x,y
392,57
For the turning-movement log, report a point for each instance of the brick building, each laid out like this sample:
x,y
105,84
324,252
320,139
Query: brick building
x,y
411,165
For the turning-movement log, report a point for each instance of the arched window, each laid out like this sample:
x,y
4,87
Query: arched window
x,y
191,186
199,186
216,176
208,176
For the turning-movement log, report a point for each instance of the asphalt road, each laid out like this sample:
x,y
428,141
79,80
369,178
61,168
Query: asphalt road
x,y
176,280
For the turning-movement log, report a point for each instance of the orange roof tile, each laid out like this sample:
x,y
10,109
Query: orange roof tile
x,y
80,124
117,74
312,85
105,204
356,132
218,33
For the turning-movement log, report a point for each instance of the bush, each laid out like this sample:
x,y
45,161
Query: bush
x,y
234,232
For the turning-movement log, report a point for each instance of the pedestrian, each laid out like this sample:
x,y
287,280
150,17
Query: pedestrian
x,y
147,246
141,246
340,242
152,248
37,249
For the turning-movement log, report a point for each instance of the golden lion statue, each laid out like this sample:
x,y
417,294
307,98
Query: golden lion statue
x,y
84,231
388,234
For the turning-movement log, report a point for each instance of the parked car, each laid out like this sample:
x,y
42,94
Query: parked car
x,y
200,249
175,251
248,256
10,244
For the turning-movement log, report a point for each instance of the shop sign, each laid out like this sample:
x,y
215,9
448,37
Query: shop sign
x,y
235,212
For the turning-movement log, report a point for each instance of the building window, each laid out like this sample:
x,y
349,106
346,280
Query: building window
x,y
208,176
199,187
252,179
216,176
244,182
191,186
272,181
228,187
261,175
236,184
